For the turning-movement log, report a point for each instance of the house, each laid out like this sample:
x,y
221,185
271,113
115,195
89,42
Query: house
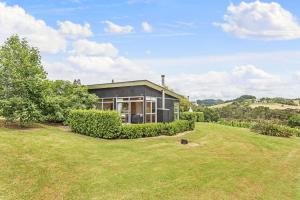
x,y
138,101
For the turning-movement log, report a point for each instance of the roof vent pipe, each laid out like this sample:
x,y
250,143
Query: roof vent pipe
x,y
163,98
163,80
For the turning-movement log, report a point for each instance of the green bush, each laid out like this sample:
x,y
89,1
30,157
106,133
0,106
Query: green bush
x,y
95,123
130,131
107,124
294,121
267,128
199,116
236,123
189,116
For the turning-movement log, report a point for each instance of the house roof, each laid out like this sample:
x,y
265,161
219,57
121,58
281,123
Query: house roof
x,y
135,83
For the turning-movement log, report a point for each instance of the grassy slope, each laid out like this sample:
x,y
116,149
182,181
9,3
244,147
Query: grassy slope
x,y
229,163
270,105
275,106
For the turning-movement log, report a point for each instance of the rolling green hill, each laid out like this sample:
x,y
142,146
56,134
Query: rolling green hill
x,y
220,162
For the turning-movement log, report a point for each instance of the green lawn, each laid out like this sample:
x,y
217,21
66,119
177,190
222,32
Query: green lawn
x,y
228,163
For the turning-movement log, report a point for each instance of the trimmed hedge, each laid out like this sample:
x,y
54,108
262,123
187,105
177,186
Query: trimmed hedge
x,y
95,123
131,131
189,116
107,124
199,116
267,128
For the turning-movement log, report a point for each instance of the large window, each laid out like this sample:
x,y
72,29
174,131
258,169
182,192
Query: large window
x,y
151,110
106,104
131,109
176,110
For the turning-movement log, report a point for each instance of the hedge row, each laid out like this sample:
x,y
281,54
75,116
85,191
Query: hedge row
x,y
130,131
95,123
107,124
196,116
267,128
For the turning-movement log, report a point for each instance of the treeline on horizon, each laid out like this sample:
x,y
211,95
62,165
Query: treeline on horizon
x,y
250,99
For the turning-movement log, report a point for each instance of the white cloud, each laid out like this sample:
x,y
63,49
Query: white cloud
x,y
259,20
15,20
147,28
90,48
240,80
252,71
115,28
73,30
94,62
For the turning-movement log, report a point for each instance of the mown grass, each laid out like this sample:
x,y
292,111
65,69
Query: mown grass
x,y
226,163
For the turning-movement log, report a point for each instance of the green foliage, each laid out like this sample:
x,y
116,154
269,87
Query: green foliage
x,y
209,102
21,81
107,124
199,116
243,98
237,123
189,116
279,100
267,128
95,123
63,96
242,112
185,105
210,115
130,131
294,121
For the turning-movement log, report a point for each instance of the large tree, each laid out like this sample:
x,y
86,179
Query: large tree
x,y
21,81
62,96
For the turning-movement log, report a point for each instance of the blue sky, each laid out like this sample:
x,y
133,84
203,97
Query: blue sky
x,y
255,50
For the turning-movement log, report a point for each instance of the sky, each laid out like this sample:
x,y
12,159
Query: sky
x,y
207,49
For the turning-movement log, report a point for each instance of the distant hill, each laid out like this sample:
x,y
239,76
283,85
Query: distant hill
x,y
252,101
209,102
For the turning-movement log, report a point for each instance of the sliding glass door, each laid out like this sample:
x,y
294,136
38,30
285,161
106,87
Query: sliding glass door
x,y
151,110
131,109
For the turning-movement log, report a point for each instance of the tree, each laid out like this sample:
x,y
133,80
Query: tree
x,y
185,104
21,81
62,96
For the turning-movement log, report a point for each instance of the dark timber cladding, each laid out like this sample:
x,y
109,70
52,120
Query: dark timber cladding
x,y
138,101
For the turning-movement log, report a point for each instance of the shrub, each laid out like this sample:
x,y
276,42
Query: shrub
x,y
189,116
237,123
294,121
267,128
130,131
210,115
199,116
177,127
95,123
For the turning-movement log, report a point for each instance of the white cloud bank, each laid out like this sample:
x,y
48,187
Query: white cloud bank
x,y
259,20
117,29
90,48
241,80
73,30
15,20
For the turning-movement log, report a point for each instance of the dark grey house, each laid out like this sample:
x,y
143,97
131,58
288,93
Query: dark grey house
x,y
139,101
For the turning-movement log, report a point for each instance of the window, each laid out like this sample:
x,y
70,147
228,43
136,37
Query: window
x,y
123,109
106,104
176,110
151,110
131,109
